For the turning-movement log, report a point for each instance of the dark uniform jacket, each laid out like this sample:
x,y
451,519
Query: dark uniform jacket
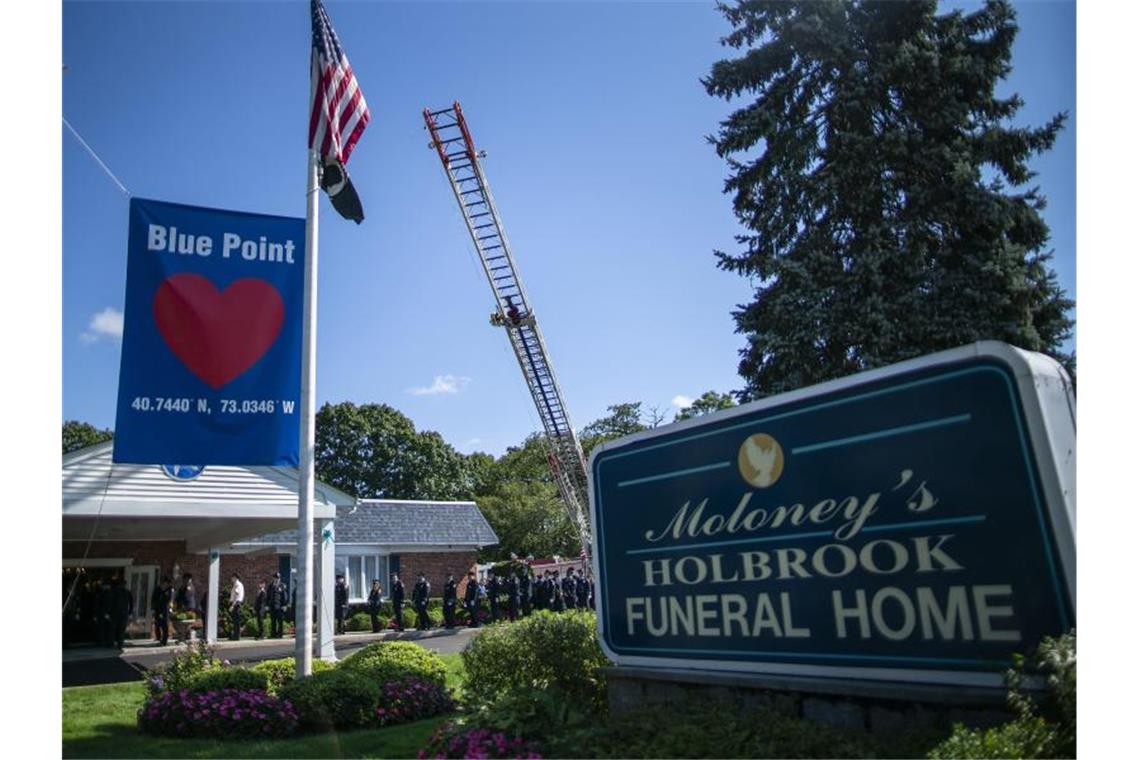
x,y
277,599
472,591
420,592
450,593
122,603
374,600
260,601
160,601
341,595
397,592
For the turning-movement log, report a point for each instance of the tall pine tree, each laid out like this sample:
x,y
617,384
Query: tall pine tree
x,y
883,188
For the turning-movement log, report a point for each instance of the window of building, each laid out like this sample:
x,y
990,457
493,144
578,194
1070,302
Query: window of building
x,y
360,570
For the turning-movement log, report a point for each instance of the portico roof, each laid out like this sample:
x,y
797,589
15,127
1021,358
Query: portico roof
x,y
222,505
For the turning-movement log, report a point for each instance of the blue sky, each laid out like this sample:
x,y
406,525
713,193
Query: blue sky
x,y
593,120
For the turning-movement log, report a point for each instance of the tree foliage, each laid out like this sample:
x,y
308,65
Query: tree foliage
x,y
709,402
373,451
874,169
79,435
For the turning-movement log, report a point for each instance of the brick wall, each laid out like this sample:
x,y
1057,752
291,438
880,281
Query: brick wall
x,y
436,566
251,568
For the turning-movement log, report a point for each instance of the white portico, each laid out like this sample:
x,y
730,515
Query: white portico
x,y
146,520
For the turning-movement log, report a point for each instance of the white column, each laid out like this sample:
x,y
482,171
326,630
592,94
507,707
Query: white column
x,y
326,593
214,564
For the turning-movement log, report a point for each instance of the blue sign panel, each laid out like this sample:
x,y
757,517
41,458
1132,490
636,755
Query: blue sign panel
x,y
905,520
211,361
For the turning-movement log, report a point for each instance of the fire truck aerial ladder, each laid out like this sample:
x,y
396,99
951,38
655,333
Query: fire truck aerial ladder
x,y
452,141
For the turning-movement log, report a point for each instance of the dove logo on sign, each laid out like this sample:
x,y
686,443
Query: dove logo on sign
x,y
761,460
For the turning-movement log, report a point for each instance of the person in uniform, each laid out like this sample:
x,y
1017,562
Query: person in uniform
x,y
420,593
374,604
590,597
493,596
237,596
103,614
558,601
581,589
513,597
524,592
122,605
260,602
471,600
398,601
340,600
160,602
450,599
569,589
277,601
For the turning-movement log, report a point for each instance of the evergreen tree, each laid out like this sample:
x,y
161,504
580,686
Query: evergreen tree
x,y
883,188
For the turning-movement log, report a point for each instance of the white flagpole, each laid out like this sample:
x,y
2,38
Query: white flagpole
x,y
303,614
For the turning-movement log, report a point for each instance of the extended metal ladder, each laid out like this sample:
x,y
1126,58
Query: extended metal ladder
x,y
452,141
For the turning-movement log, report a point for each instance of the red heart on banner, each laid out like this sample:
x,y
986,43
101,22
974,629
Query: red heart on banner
x,y
218,334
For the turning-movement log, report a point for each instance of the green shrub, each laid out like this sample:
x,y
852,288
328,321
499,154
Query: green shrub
x,y
333,699
193,660
282,671
359,622
542,651
228,678
1046,724
387,661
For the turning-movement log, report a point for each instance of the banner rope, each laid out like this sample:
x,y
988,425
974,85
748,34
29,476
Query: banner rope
x,y
95,155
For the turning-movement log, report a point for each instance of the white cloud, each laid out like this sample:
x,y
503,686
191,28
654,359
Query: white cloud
x,y
104,324
442,384
682,402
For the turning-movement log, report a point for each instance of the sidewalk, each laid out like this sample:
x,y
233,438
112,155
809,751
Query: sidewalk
x,y
136,648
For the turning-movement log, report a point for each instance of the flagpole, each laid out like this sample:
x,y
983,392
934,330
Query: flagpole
x,y
303,614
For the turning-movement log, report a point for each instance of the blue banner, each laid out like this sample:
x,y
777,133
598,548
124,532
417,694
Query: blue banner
x,y
211,362
899,523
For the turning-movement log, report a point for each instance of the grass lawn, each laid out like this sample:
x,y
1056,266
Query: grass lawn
x,y
99,721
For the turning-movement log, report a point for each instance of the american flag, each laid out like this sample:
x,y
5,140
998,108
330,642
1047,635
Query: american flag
x,y
339,113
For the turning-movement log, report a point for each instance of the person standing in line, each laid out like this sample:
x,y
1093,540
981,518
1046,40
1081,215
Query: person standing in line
x,y
398,601
590,596
103,634
450,599
122,605
260,603
160,602
558,601
524,593
420,593
276,601
493,596
471,600
340,599
513,597
581,589
374,604
237,596
569,593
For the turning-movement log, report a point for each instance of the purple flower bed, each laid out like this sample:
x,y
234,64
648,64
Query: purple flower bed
x,y
411,699
477,744
224,714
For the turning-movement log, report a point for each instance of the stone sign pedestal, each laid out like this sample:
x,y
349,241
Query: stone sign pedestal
x,y
868,705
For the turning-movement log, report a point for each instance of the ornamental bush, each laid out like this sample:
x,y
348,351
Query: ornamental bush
x,y
218,679
1045,725
359,622
539,652
387,661
194,659
333,699
412,699
280,672
225,714
477,743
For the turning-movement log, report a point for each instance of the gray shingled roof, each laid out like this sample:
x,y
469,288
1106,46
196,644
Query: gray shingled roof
x,y
378,521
